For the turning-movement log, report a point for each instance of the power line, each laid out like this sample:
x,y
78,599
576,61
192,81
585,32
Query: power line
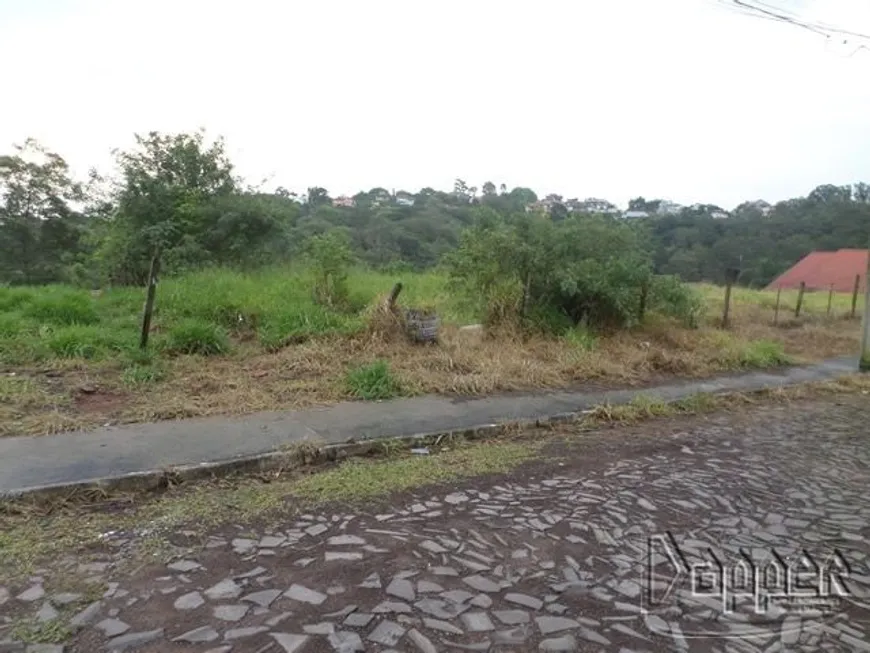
x,y
768,11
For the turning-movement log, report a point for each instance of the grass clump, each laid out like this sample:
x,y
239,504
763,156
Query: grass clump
x,y
84,341
192,336
359,479
372,381
640,408
763,353
13,298
138,375
47,632
63,307
582,338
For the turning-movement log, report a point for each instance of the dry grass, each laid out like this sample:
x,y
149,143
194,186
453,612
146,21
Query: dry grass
x,y
50,400
71,528
34,531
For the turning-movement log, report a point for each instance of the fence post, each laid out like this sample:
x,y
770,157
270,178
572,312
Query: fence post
x,y
830,298
864,362
855,292
153,271
644,293
776,308
527,289
800,299
394,295
730,277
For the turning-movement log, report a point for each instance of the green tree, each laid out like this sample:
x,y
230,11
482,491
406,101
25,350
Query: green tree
x,y
166,181
41,231
317,196
330,257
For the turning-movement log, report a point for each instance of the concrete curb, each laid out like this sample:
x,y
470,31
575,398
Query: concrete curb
x,y
309,452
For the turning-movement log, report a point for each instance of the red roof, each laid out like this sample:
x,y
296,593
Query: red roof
x,y
821,270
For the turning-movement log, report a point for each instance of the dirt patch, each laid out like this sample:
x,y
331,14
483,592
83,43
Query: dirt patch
x,y
96,401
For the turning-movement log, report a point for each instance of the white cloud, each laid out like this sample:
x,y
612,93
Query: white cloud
x,y
611,98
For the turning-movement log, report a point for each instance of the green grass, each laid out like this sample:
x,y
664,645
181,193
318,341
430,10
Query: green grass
x,y
196,336
763,353
372,381
274,306
210,311
357,480
814,302
137,375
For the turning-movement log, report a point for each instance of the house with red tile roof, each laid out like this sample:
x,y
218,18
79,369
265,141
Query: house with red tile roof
x,y
825,270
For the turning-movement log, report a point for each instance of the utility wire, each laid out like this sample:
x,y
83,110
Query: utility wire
x,y
760,9
768,11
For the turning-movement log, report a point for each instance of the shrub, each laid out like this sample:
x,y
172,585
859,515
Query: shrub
x,y
330,258
194,336
373,381
64,307
669,296
587,269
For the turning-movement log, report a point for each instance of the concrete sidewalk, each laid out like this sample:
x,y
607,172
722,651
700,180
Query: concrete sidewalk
x,y
27,463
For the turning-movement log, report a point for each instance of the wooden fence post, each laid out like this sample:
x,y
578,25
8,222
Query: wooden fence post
x,y
731,275
855,292
644,295
830,298
149,299
776,308
394,295
527,289
800,299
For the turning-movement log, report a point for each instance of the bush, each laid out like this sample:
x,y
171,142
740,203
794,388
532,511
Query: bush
x,y
330,258
373,381
587,269
193,336
63,307
669,296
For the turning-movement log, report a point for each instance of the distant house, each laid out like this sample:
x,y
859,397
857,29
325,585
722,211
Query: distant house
x,y
666,207
720,215
596,205
825,270
634,215
345,201
404,198
764,207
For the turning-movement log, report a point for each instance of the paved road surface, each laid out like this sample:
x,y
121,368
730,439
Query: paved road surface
x,y
553,557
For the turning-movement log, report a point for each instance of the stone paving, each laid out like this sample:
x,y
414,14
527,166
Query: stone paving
x,y
590,552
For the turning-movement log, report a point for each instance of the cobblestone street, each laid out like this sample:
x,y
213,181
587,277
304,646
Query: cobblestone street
x,y
587,550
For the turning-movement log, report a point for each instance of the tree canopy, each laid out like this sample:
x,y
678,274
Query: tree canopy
x,y
178,193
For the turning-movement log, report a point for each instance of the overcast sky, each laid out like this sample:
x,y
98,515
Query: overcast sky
x,y
680,99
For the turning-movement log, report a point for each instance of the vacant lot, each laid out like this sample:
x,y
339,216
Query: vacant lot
x,y
228,343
